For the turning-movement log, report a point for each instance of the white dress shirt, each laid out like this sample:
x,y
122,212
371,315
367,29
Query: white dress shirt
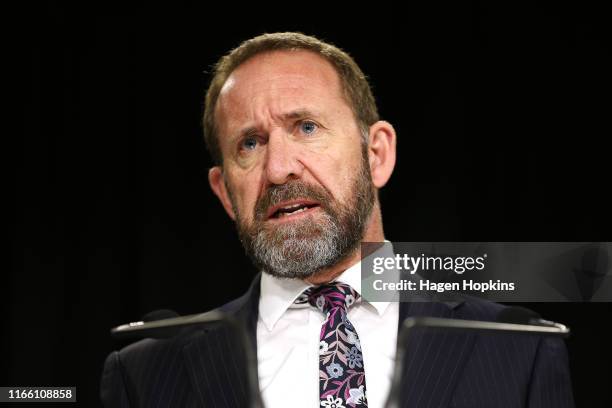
x,y
288,342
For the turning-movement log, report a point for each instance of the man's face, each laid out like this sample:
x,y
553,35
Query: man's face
x,y
295,166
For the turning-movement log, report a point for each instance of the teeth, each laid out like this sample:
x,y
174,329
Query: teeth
x,y
284,214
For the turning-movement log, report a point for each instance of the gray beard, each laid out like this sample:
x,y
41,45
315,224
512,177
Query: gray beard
x,y
302,248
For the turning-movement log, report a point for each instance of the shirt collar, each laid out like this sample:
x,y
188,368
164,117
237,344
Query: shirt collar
x,y
278,295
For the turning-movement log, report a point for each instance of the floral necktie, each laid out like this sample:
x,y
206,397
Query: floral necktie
x,y
341,368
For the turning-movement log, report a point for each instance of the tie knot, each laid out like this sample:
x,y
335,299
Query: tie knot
x,y
329,296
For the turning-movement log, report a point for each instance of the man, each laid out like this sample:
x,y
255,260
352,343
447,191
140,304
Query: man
x,y
300,154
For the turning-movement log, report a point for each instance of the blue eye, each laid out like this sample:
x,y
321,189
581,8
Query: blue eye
x,y
249,143
308,127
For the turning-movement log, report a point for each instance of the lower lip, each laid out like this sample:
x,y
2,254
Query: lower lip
x,y
295,216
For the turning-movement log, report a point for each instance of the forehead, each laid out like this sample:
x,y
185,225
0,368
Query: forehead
x,y
278,81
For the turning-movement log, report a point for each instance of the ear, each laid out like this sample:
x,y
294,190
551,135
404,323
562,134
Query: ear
x,y
217,183
381,152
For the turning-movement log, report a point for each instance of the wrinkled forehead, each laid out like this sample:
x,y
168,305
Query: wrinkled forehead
x,y
277,81
276,65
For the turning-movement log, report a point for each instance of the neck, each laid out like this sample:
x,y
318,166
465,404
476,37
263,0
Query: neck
x,y
373,233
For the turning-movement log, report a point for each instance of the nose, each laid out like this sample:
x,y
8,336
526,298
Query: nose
x,y
282,162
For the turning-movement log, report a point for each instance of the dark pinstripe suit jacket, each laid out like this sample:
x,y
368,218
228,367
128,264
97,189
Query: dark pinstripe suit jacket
x,y
198,369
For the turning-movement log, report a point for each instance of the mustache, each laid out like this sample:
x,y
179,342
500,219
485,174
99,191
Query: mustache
x,y
291,190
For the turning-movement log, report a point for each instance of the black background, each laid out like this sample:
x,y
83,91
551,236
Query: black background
x,y
502,114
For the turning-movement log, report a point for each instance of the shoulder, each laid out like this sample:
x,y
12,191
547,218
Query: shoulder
x,y
536,366
526,345
242,308
139,352
538,350
154,369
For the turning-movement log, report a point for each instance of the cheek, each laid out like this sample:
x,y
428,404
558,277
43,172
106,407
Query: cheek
x,y
335,172
245,193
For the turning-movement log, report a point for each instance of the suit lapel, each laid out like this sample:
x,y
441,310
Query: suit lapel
x,y
434,360
215,358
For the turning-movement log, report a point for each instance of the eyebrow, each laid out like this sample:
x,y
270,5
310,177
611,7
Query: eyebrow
x,y
300,114
292,115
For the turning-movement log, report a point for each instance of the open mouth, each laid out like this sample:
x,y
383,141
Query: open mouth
x,y
284,210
